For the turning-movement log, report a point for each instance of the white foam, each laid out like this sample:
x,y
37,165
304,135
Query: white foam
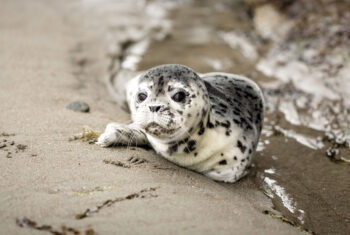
x,y
267,131
218,64
240,43
280,64
274,157
270,171
304,140
260,147
301,216
290,112
281,193
135,54
344,84
315,106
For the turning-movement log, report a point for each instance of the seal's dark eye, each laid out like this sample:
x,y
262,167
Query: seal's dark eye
x,y
141,96
179,96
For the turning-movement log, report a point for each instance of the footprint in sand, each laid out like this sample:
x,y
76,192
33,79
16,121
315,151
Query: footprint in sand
x,y
10,147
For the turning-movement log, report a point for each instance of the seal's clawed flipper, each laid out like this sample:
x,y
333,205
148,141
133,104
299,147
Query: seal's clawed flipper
x,y
121,134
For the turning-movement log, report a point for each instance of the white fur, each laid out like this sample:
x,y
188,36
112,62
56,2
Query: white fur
x,y
212,146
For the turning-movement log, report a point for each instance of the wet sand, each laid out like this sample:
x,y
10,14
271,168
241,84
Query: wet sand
x,y
53,53
310,190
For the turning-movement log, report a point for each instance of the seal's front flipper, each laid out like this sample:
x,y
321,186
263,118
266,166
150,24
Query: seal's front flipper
x,y
121,134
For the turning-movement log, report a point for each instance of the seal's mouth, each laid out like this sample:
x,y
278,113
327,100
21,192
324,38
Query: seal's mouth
x,y
154,128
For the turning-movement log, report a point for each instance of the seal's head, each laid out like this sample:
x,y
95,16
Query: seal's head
x,y
171,102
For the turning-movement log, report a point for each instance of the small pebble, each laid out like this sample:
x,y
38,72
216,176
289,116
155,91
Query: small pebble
x,y
79,106
332,152
2,145
330,136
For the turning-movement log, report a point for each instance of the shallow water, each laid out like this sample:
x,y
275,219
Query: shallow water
x,y
306,112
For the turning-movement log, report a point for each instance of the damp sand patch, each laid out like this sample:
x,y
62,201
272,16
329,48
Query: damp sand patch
x,y
285,220
98,189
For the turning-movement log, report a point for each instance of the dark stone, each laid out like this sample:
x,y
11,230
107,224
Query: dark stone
x,y
79,106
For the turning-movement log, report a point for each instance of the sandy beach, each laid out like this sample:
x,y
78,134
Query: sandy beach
x,y
53,53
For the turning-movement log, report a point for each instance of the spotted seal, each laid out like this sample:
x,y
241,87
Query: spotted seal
x,y
209,123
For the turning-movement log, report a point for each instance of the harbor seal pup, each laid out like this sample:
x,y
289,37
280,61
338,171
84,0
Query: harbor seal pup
x,y
209,123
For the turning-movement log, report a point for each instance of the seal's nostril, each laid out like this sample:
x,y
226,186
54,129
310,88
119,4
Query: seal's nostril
x,y
154,108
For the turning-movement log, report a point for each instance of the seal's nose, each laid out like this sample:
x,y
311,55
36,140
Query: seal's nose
x,y
155,108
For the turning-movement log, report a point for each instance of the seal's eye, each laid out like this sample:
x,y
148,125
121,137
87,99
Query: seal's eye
x,y
179,96
141,96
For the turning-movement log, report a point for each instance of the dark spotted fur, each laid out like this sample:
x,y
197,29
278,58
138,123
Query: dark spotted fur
x,y
216,105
